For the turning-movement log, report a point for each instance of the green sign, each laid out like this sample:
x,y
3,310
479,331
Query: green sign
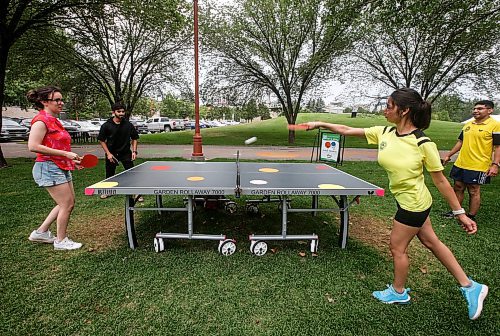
x,y
330,147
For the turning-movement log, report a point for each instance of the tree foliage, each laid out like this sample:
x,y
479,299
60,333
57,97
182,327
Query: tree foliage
x,y
451,107
174,107
129,48
17,17
432,45
285,47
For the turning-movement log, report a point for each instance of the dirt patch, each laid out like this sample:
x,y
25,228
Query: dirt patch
x,y
376,232
98,232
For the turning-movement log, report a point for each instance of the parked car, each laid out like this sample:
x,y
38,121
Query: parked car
x,y
11,130
215,123
140,126
25,122
163,124
16,119
191,124
97,122
86,127
231,122
69,126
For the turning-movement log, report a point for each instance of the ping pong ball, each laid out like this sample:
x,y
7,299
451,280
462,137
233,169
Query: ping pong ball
x,y
250,141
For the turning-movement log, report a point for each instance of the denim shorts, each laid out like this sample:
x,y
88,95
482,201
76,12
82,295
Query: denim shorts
x,y
48,174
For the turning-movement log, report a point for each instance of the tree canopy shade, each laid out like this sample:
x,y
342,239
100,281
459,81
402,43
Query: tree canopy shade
x,y
284,47
432,45
129,47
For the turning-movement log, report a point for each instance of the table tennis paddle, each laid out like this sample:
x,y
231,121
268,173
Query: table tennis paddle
x,y
300,127
89,161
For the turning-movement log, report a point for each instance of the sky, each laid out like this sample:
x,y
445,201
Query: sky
x,y
351,93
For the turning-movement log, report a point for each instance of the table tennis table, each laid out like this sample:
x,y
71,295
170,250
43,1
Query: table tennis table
x,y
267,182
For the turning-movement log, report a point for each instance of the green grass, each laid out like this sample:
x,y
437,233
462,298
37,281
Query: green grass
x,y
274,132
107,289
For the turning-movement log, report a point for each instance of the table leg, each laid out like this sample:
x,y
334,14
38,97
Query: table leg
x,y
159,203
284,216
314,205
344,222
129,221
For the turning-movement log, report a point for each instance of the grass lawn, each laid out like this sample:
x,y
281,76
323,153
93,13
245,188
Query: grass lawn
x,y
107,289
274,132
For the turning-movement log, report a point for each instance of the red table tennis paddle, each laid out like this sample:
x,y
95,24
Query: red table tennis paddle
x,y
89,161
299,127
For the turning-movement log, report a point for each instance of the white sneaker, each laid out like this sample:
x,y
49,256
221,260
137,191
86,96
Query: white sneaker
x,y
42,237
66,244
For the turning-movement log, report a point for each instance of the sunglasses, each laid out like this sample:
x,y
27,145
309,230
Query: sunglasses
x,y
57,100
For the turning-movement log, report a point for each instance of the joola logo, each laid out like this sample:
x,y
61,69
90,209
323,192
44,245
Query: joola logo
x,y
467,129
382,145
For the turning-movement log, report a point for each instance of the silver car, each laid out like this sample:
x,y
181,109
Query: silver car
x,y
11,130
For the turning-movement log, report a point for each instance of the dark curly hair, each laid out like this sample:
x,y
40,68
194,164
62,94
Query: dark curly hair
x,y
36,96
419,109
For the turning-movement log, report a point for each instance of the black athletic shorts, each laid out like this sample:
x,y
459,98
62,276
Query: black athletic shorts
x,y
410,218
469,176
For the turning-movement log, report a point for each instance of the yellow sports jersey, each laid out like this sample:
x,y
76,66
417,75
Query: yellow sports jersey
x,y
477,145
403,158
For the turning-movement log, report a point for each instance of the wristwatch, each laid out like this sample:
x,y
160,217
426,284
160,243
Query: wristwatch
x,y
496,164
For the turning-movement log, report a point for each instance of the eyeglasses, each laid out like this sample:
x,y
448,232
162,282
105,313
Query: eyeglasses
x,y
57,100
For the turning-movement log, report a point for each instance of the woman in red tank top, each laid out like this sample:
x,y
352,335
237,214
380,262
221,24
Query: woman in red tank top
x,y
53,165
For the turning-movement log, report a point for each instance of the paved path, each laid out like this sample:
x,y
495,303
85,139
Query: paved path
x,y
20,149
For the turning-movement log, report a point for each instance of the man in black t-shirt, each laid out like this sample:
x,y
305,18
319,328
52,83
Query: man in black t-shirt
x,y
116,136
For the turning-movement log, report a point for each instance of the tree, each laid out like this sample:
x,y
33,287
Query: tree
x,y
285,47
130,47
29,68
249,111
432,45
20,16
316,105
451,108
263,111
173,107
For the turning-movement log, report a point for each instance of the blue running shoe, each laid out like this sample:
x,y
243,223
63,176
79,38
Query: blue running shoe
x,y
475,295
391,296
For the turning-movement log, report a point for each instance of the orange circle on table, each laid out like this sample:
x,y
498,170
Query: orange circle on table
x,y
322,167
330,186
160,167
195,178
104,185
328,144
268,170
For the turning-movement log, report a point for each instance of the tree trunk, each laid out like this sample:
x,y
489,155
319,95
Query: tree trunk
x,y
291,137
4,54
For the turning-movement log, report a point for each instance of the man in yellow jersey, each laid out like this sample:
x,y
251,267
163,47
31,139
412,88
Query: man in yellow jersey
x,y
479,139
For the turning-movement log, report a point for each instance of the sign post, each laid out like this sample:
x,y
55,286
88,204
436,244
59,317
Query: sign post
x,y
329,147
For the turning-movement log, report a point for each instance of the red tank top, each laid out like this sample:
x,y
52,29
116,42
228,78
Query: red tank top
x,y
57,138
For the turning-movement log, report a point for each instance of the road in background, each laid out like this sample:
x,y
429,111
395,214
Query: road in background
x,y
20,149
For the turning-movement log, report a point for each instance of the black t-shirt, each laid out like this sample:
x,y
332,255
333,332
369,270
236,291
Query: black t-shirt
x,y
118,136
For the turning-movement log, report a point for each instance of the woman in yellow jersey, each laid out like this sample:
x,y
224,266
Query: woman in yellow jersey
x,y
403,151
